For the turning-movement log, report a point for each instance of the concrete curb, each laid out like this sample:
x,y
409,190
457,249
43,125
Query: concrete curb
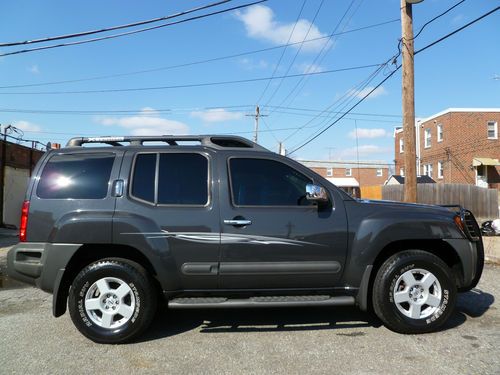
x,y
492,249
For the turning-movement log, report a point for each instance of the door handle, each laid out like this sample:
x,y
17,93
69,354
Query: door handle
x,y
238,222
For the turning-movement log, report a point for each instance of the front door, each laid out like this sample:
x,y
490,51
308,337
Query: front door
x,y
272,236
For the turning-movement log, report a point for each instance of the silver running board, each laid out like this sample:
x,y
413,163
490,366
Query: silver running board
x,y
271,301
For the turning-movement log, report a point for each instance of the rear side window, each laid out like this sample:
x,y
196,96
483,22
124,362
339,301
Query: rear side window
x,y
261,182
76,176
182,179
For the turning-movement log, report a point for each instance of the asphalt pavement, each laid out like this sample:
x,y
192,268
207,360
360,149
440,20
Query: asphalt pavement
x,y
277,341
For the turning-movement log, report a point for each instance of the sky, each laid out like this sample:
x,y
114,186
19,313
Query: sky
x,y
462,71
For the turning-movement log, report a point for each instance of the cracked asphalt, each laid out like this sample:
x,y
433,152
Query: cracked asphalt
x,y
291,341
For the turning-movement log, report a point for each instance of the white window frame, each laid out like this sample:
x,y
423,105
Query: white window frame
x,y
428,170
401,172
439,132
440,170
401,145
329,172
380,172
348,172
495,129
427,138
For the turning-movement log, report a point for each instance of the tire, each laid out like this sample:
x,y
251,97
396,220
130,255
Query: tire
x,y
106,289
414,292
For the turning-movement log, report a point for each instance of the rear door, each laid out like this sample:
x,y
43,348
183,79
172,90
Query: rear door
x,y
171,213
272,237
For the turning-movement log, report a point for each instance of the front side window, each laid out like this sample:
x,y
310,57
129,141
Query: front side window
x,y
492,130
262,182
379,172
76,176
182,178
401,145
401,172
348,172
440,169
427,138
329,172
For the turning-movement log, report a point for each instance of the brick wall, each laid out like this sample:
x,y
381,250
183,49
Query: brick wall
x,y
364,176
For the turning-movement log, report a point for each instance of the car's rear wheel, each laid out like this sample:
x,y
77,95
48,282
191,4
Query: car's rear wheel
x,y
112,300
414,292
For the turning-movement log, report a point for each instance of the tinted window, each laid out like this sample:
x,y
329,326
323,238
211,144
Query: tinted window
x,y
183,179
143,179
77,176
260,182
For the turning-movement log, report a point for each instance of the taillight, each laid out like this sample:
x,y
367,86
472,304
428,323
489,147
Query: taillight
x,y
24,221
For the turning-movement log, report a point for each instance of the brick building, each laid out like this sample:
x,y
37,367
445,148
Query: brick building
x,y
457,145
350,176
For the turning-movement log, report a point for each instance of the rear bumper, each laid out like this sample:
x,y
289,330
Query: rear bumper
x,y
39,263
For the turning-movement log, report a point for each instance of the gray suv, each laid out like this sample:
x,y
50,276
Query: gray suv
x,y
221,222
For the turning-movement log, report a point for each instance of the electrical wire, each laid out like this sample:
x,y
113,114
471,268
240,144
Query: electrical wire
x,y
134,31
296,53
282,52
313,137
119,27
203,84
204,61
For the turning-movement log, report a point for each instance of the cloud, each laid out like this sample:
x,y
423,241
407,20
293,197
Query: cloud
x,y
216,115
260,23
26,126
364,150
368,133
458,18
34,69
250,64
146,122
311,68
361,93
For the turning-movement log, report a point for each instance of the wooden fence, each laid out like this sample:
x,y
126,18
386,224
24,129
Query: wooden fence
x,y
371,192
481,201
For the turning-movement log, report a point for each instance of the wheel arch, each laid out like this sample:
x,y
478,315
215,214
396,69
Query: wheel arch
x,y
439,248
90,253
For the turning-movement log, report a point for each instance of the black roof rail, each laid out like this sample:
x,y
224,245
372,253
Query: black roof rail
x,y
214,141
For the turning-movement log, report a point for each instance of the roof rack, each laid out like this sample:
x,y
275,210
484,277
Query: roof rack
x,y
213,141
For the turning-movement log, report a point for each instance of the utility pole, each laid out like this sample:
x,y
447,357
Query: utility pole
x,y
408,83
256,115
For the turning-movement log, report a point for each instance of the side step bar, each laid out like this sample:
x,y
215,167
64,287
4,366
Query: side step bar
x,y
265,301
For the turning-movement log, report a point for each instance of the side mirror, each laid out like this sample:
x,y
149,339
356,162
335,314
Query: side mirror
x,y
316,193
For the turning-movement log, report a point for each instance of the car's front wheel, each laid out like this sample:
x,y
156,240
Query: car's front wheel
x,y
112,300
414,292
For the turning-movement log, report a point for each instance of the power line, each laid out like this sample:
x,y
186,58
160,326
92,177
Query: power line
x,y
119,27
322,49
216,83
204,61
390,75
296,53
134,31
230,108
435,18
282,52
457,30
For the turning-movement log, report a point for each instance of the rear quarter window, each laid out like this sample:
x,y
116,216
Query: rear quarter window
x,y
76,176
